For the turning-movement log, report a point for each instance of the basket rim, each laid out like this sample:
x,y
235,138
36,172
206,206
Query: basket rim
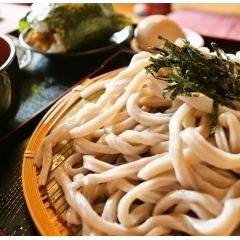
x,y
32,194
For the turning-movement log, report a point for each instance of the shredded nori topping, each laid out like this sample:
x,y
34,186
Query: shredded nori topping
x,y
192,72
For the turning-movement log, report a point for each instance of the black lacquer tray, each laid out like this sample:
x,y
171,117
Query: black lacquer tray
x,y
45,80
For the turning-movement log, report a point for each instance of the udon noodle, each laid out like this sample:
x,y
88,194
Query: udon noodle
x,y
147,165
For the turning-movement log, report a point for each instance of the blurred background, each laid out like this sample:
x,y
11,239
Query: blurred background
x,y
219,20
226,8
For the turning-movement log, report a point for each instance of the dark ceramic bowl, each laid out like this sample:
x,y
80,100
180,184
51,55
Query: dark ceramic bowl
x,y
116,39
10,81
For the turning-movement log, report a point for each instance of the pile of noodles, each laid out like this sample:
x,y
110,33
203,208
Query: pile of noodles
x,y
147,165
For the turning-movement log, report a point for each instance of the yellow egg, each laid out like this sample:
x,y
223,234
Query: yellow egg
x,y
148,30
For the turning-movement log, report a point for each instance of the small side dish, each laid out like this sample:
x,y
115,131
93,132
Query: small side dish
x,y
24,55
71,27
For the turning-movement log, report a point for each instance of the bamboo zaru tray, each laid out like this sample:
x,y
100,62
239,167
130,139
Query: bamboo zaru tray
x,y
128,184
47,205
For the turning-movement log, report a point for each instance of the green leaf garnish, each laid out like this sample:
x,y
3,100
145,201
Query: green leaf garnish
x,y
192,72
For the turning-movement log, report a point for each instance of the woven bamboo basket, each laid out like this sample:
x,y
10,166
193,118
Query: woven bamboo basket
x,y
47,205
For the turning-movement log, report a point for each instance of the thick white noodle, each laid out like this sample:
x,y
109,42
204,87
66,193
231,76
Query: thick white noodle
x,y
143,164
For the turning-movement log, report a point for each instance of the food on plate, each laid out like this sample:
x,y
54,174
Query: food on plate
x,y
158,152
69,27
148,30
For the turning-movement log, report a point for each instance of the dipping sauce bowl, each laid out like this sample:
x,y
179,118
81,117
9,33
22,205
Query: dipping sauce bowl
x,y
10,81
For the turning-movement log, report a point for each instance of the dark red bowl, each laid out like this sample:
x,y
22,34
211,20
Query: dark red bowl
x,y
10,81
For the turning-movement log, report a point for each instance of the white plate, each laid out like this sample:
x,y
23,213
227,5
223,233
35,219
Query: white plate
x,y
24,55
194,38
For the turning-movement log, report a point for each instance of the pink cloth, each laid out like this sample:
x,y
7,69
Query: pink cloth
x,y
209,24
